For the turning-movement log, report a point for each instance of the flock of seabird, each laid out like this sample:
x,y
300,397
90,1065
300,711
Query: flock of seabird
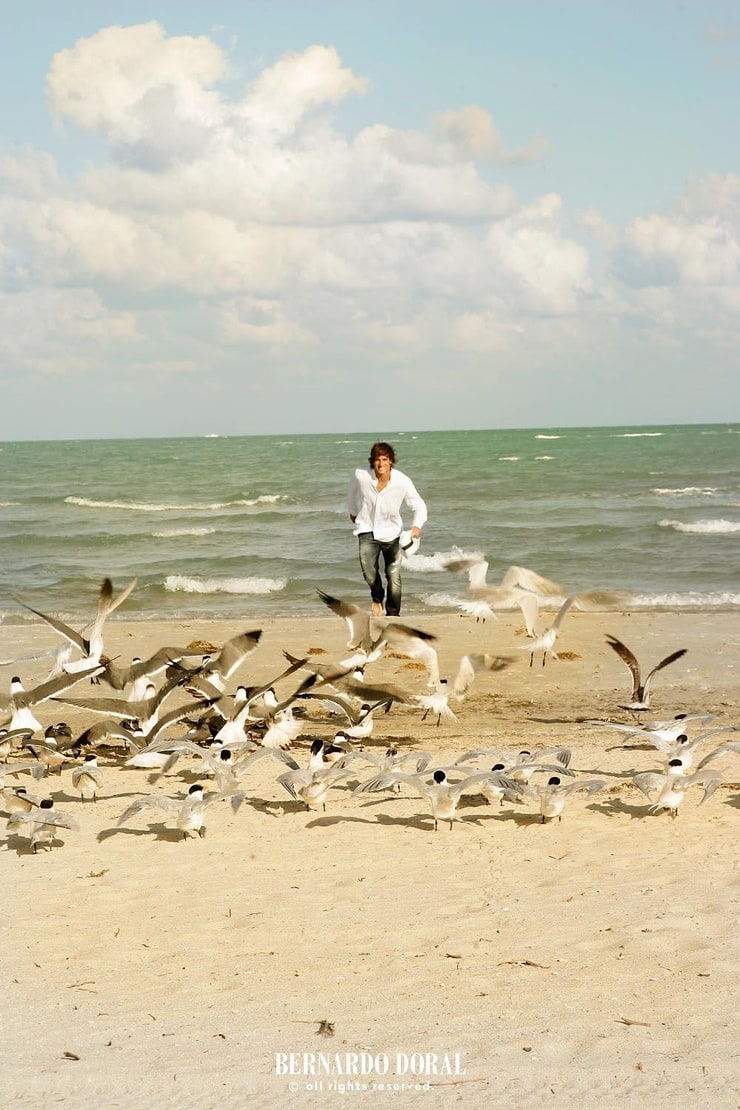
x,y
176,706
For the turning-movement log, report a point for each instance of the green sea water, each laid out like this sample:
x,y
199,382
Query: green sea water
x,y
252,526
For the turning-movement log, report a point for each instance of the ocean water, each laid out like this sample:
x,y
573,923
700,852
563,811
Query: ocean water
x,y
248,527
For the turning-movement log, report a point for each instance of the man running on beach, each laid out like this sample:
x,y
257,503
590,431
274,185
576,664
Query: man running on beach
x,y
375,498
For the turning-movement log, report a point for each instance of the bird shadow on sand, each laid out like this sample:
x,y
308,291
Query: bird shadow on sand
x,y
422,822
185,775
520,818
620,776
419,822
76,799
280,808
393,740
23,847
616,807
270,808
474,808
65,796
327,821
559,720
157,831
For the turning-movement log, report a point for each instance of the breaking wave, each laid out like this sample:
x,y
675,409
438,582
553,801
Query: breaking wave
x,y
176,583
166,507
168,533
703,527
707,491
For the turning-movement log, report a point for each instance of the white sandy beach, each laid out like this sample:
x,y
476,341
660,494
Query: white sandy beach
x,y
587,962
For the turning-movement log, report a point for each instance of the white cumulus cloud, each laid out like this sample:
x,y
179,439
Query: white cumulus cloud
x,y
221,229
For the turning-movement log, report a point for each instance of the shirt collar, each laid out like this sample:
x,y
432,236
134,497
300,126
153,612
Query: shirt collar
x,y
374,480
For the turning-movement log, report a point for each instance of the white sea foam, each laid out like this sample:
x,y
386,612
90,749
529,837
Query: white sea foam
x,y
725,600
442,600
704,491
508,458
167,533
177,583
703,527
165,507
423,564
635,435
437,559
543,458
693,601
540,436
7,504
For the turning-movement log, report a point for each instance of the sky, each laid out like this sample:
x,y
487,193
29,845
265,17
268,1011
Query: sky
x,y
367,215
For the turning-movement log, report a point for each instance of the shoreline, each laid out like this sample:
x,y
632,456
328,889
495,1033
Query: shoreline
x,y
414,612
456,634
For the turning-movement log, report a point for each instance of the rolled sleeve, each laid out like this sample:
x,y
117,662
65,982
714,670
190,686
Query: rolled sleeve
x,y
417,505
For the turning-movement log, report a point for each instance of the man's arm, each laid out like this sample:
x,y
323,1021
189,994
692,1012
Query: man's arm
x,y
354,498
418,507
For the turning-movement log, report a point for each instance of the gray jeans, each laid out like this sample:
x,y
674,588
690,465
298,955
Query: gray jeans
x,y
370,554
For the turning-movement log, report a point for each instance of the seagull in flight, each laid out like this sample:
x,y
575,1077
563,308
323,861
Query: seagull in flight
x,y
442,795
11,770
436,703
141,671
393,760
723,749
673,784
519,586
209,679
661,734
678,744
544,638
470,666
10,739
20,700
640,696
41,823
363,726
189,813
146,712
370,636
91,646
311,784
149,751
524,762
554,793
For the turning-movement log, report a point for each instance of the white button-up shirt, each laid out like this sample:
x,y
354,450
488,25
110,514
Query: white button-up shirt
x,y
379,511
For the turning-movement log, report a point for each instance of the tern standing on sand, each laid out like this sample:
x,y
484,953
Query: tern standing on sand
x,y
376,495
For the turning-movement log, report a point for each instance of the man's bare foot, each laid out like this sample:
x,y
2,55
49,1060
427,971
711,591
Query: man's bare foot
x,y
376,609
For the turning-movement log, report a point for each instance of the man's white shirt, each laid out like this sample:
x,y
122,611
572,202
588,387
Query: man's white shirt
x,y
379,511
